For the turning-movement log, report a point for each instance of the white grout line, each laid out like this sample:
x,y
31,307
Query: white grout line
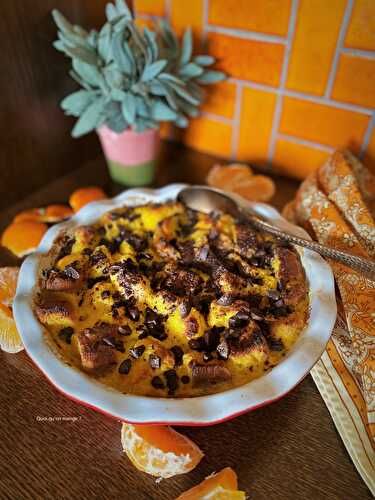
x,y
367,54
300,95
284,72
367,137
339,45
205,22
217,118
248,35
236,121
168,9
304,142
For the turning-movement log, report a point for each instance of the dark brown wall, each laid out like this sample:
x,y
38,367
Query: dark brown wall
x,y
35,142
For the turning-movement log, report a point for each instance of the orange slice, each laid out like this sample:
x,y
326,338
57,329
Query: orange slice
x,y
50,214
257,188
159,450
10,341
83,196
220,486
22,238
224,176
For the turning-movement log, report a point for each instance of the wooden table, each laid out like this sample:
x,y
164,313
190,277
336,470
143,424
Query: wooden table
x,y
288,450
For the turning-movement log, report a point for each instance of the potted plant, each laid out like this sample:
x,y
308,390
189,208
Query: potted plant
x,y
131,81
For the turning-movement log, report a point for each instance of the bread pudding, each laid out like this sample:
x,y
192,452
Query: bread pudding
x,y
162,301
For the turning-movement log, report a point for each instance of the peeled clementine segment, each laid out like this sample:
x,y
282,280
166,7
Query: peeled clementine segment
x,y
159,450
223,176
81,197
23,237
257,188
10,341
50,214
220,486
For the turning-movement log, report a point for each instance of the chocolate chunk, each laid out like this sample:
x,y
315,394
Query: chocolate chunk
x,y
225,300
206,375
109,341
151,317
142,335
172,381
66,334
273,294
207,356
106,294
154,361
137,352
157,383
203,253
256,316
124,330
279,303
197,344
185,308
97,257
232,333
125,366
213,234
185,379
239,319
133,313
223,349
276,345
211,340
178,354
119,345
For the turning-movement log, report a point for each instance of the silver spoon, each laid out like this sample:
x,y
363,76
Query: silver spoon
x,y
209,200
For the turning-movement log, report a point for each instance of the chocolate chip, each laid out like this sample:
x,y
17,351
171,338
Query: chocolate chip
x,y
232,333
197,344
125,366
71,273
239,319
213,234
133,313
203,253
142,335
119,345
225,300
151,317
66,334
276,345
172,381
211,339
223,349
109,341
124,330
273,294
154,361
256,316
185,379
157,383
106,294
185,308
207,357
279,303
178,354
137,352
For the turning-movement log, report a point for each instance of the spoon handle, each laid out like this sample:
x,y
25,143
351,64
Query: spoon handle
x,y
363,266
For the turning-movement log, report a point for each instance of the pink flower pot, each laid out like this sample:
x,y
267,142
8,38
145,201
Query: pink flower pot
x,y
130,155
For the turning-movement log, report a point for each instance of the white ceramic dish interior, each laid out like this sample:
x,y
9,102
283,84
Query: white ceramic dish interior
x,y
202,410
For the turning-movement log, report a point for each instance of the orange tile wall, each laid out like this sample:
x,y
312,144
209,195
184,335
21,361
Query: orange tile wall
x,y
301,78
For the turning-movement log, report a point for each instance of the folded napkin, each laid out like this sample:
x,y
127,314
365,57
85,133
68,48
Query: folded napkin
x,y
336,205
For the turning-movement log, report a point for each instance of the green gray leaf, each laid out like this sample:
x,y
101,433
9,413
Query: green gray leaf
x,y
84,55
111,12
204,60
89,73
114,118
182,121
74,104
61,22
104,43
187,47
190,70
211,77
90,119
161,112
129,107
123,9
120,57
150,38
152,70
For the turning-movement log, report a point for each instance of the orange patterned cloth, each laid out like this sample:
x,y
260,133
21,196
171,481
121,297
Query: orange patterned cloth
x,y
336,205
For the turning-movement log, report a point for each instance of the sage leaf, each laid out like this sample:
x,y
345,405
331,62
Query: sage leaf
x,y
74,104
190,70
150,37
120,57
90,118
114,117
129,107
161,112
187,47
104,43
61,22
84,55
211,77
182,121
123,9
153,70
111,12
89,73
171,78
204,60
